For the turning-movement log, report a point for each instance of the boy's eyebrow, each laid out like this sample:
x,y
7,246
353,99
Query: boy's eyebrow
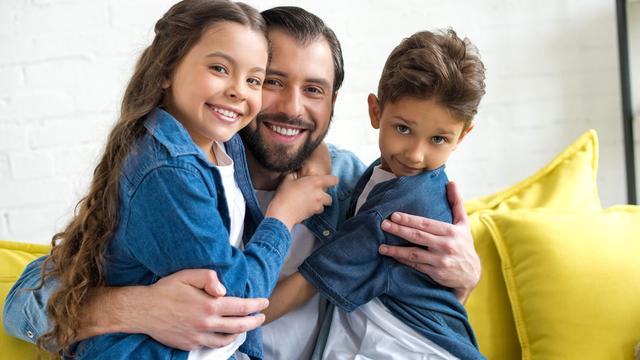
x,y
319,81
233,61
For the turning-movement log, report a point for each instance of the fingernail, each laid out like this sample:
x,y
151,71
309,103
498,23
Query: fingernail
x,y
385,225
221,289
266,303
395,217
383,249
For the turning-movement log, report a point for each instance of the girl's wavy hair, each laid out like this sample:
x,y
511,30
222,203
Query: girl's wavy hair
x,y
77,258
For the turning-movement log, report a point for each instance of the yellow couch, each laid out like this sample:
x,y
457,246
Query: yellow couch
x,y
559,274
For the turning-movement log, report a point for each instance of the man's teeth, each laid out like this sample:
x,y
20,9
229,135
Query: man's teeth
x,y
285,131
227,113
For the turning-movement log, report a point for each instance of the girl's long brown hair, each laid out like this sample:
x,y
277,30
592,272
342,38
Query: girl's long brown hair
x,y
77,257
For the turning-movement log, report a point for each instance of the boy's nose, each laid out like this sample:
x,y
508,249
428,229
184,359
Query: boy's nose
x,y
415,155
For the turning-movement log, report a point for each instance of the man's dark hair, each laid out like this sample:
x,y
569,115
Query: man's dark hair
x,y
305,27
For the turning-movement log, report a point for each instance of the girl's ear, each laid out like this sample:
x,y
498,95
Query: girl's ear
x,y
166,83
374,111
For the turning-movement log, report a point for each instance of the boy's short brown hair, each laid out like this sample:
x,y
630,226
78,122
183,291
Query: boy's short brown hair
x,y
435,65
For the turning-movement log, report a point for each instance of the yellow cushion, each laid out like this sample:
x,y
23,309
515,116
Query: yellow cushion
x,y
568,182
572,278
14,257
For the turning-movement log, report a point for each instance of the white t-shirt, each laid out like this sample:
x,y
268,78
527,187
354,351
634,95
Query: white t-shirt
x,y
293,336
372,332
236,205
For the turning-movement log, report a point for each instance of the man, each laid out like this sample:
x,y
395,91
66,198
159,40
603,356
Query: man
x,y
188,309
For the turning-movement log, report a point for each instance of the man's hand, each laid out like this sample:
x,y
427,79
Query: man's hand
x,y
450,258
185,310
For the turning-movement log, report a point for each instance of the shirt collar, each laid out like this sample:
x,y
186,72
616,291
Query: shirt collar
x,y
170,133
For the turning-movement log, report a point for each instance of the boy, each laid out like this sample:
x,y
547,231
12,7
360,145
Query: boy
x,y
428,93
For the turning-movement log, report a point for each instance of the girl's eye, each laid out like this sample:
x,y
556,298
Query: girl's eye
x,y
438,140
254,81
218,68
404,130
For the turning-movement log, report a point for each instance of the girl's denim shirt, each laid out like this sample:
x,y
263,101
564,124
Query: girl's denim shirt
x,y
166,168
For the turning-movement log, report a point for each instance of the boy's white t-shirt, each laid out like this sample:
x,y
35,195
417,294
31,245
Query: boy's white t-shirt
x,y
371,331
236,205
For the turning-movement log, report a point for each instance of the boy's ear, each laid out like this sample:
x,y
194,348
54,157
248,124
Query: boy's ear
x,y
464,133
374,110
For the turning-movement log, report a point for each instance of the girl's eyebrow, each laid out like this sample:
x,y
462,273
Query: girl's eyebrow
x,y
233,61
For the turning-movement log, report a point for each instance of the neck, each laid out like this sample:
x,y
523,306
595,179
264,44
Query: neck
x,y
262,178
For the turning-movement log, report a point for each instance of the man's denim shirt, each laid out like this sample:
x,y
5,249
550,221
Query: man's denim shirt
x,y
350,272
24,313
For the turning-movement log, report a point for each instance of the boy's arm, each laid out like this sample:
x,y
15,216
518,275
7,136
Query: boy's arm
x,y
290,293
450,258
182,310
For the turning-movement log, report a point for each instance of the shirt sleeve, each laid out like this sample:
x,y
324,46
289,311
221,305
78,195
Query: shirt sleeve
x,y
348,270
24,314
174,224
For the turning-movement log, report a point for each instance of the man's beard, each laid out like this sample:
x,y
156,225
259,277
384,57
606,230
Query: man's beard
x,y
276,157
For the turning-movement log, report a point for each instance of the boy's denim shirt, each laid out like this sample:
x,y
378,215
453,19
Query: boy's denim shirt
x,y
24,313
350,271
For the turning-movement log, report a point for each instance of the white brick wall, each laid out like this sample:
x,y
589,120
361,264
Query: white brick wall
x,y
552,74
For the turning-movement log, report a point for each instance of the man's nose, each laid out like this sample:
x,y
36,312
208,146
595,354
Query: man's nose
x,y
290,103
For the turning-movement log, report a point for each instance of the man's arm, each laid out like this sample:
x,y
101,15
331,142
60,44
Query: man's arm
x,y
183,310
449,258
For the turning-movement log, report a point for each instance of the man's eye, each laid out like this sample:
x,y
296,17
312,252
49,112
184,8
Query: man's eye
x,y
404,130
219,68
439,140
272,82
314,90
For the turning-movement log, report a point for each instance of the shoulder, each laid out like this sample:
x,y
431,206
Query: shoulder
x,y
346,166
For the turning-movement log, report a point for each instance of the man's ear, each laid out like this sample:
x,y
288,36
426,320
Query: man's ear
x,y
374,110
464,133
333,101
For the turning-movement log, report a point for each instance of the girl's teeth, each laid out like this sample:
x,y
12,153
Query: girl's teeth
x,y
226,113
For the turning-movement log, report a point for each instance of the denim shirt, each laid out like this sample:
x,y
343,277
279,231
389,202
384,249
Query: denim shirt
x,y
24,312
350,272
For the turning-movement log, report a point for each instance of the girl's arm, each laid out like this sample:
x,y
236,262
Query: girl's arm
x,y
290,293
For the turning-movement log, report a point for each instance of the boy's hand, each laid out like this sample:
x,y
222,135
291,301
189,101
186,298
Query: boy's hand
x,y
449,258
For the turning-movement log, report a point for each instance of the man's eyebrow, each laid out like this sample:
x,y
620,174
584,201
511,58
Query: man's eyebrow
x,y
233,61
320,81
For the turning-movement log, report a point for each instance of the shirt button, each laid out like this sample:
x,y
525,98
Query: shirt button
x,y
29,334
326,233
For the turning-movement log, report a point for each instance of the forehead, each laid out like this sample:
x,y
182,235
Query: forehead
x,y
311,59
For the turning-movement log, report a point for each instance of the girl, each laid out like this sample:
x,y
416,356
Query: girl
x,y
163,197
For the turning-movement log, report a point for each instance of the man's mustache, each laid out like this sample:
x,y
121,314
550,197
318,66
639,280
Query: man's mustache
x,y
283,119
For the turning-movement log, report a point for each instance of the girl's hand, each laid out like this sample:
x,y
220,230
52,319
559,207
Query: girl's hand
x,y
319,163
298,199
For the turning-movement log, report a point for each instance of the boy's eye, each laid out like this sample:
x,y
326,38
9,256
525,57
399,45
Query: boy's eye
x,y
219,68
404,130
438,140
